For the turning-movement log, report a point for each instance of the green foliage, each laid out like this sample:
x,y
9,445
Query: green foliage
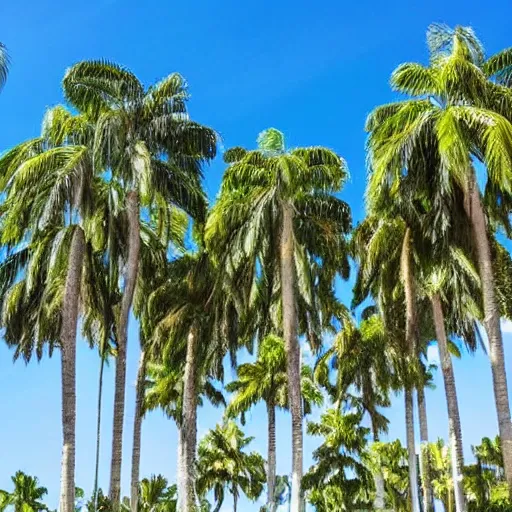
x,y
26,495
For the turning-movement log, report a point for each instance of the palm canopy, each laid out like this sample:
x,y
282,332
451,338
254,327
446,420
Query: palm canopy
x,y
247,217
156,495
266,379
223,462
26,495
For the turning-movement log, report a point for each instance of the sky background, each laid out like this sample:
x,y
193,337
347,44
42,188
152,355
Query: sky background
x,y
311,69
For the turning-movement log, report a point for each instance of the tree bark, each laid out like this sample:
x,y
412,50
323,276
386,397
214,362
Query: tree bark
x,y
235,499
454,427
271,470
492,325
379,502
179,471
70,309
189,426
130,279
292,352
413,471
137,430
428,494
98,433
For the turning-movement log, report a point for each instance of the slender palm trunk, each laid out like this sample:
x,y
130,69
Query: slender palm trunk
x,y
98,433
71,303
454,427
413,471
477,217
292,352
271,470
235,498
380,493
411,336
137,430
130,278
428,494
179,477
189,427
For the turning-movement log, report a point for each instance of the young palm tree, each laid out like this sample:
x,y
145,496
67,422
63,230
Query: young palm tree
x,y
156,496
26,495
453,117
223,463
272,191
442,477
342,452
266,380
135,126
362,364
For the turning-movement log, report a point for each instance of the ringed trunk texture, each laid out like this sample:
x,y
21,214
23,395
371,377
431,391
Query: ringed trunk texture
x,y
137,430
271,470
292,353
71,303
428,494
379,502
411,337
130,279
492,325
454,427
413,471
98,433
189,426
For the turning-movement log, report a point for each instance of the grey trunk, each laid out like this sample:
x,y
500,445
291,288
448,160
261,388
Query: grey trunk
x,y
380,492
235,499
70,308
292,352
137,430
130,279
411,449
428,494
189,425
271,470
492,325
98,433
179,471
454,427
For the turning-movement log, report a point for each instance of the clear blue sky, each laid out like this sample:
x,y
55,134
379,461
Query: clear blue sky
x,y
312,69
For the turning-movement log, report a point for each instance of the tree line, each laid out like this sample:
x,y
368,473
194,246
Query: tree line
x,y
104,215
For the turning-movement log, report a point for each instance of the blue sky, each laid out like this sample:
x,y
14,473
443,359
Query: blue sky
x,y
313,70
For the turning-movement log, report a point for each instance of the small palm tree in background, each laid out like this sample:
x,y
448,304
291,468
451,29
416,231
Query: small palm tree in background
x,y
224,464
26,495
156,496
266,380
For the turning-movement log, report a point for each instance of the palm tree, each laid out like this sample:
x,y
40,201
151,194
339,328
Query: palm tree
x,y
342,453
454,116
362,364
156,496
223,463
442,474
266,380
272,191
4,64
135,126
26,495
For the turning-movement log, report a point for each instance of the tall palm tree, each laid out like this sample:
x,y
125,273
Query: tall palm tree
x,y
266,380
339,479
272,191
135,126
454,116
363,366
26,495
223,463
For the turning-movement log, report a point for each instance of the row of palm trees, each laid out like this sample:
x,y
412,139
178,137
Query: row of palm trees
x,y
104,215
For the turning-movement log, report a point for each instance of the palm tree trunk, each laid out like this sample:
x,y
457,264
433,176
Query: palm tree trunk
x,y
413,471
428,494
98,433
70,308
130,278
189,426
454,427
271,470
179,471
137,429
412,347
380,493
475,212
292,352
235,498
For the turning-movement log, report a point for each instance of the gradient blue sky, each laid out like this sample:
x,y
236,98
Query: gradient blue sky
x,y
313,70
